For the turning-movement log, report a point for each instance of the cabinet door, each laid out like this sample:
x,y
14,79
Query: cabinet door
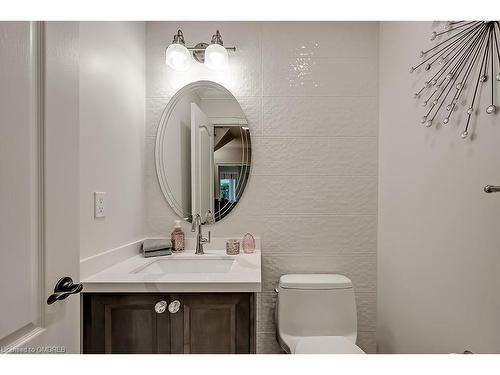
x,y
212,323
125,323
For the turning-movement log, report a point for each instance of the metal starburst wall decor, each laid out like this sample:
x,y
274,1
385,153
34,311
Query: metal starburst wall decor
x,y
465,58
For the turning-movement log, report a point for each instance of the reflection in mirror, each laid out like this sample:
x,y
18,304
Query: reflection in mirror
x,y
203,151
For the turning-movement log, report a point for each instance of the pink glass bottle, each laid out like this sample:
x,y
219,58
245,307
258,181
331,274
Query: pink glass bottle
x,y
248,243
177,237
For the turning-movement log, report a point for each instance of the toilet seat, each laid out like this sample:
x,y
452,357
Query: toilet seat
x,y
326,345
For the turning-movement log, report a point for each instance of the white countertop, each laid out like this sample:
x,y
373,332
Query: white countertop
x,y
244,275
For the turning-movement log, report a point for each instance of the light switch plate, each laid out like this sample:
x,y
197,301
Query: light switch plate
x,y
99,204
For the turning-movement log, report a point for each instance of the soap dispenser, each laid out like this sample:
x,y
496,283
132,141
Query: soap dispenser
x,y
177,238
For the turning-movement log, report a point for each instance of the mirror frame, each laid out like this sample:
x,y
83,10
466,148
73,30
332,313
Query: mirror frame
x,y
161,133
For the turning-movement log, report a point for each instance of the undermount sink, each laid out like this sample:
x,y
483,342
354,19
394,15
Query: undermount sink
x,y
197,264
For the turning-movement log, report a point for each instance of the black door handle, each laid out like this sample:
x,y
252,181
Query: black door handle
x,y
63,289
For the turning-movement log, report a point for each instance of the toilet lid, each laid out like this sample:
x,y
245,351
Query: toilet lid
x,y
326,345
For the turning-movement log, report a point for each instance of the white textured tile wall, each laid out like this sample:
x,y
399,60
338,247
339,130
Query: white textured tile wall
x,y
309,91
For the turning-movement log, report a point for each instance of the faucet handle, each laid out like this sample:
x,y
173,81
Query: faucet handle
x,y
209,218
194,221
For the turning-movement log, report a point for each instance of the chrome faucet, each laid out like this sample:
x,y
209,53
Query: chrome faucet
x,y
196,226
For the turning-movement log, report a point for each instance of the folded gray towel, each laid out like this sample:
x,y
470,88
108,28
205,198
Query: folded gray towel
x,y
156,244
157,253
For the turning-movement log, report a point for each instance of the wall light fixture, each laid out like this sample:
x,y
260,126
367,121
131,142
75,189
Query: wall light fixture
x,y
216,57
213,55
177,55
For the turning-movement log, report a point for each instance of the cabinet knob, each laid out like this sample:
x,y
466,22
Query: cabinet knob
x,y
160,307
174,306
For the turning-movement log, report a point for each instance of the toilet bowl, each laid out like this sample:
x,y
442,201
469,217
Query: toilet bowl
x,y
316,314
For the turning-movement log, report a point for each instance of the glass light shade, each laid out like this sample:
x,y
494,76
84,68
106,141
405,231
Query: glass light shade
x,y
177,57
216,57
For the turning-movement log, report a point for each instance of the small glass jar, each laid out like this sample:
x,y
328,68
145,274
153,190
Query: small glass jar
x,y
232,247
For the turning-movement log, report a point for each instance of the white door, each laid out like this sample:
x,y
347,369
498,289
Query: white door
x,y
202,163
39,179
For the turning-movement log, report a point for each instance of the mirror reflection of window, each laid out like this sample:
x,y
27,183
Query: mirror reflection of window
x,y
228,189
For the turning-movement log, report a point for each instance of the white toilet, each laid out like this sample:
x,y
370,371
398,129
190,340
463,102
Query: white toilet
x,y
316,314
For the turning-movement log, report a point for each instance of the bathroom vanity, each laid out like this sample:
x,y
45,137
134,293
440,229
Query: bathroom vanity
x,y
200,301
202,323
181,303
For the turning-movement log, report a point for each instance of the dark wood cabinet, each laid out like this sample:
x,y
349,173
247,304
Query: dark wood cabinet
x,y
212,323
208,323
124,323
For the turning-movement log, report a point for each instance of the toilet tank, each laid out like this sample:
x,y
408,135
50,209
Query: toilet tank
x,y
316,305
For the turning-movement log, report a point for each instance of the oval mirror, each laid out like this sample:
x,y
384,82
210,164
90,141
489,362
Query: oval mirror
x,y
203,151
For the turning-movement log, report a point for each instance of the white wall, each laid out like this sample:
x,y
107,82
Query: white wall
x,y
309,91
221,108
439,243
112,88
230,152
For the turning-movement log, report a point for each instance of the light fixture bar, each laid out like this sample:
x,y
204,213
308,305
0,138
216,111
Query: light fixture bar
x,y
199,49
213,55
